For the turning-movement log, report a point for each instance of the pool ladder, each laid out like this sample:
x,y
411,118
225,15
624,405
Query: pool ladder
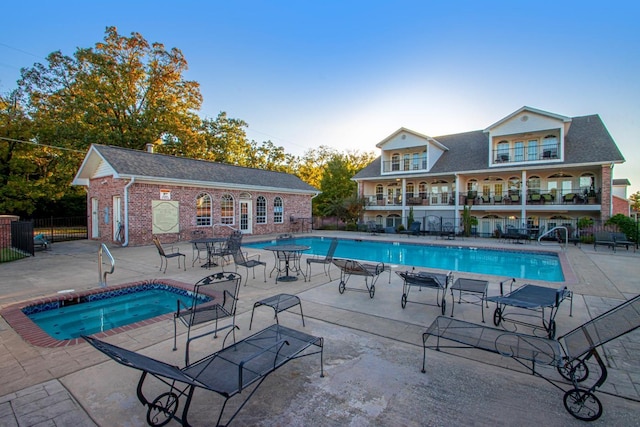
x,y
102,277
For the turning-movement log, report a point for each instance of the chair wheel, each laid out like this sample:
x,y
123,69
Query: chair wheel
x,y
582,404
372,291
443,305
162,409
552,329
341,287
497,316
574,370
403,301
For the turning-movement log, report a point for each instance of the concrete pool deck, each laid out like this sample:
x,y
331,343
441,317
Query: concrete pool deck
x,y
372,358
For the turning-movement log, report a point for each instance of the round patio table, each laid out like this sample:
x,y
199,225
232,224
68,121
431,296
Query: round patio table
x,y
288,253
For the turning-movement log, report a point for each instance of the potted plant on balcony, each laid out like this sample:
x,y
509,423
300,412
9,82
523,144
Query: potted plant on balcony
x,y
591,197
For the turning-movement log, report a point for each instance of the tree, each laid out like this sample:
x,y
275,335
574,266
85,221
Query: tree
x,y
124,92
635,201
31,175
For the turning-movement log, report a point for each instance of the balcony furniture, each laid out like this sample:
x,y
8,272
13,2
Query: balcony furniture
x,y
485,199
569,198
535,198
548,198
497,199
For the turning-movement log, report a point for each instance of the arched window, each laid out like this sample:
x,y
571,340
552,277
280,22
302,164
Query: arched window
x,y
278,210
379,192
550,147
514,186
227,214
533,184
395,162
261,210
502,152
203,210
409,189
422,190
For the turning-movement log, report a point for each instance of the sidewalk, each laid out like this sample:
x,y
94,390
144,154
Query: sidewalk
x,y
372,357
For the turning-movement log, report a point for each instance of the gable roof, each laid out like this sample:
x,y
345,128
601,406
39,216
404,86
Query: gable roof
x,y
531,110
412,132
125,163
587,142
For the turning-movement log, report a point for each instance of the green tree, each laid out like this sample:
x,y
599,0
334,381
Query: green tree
x,y
31,176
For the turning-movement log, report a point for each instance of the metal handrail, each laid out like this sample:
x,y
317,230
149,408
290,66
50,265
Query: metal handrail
x,y
102,277
559,227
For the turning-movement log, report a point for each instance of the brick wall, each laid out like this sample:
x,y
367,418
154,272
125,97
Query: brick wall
x,y
140,212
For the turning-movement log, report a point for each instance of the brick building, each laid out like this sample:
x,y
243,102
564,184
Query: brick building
x,y
132,195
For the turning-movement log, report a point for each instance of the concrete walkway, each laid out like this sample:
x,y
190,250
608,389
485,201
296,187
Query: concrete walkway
x,y
372,359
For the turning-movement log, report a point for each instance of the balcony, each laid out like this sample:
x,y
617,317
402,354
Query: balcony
x,y
541,153
402,165
545,199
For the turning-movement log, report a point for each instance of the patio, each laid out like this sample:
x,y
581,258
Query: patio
x,y
372,351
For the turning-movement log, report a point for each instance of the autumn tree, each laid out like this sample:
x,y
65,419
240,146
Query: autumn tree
x,y
124,92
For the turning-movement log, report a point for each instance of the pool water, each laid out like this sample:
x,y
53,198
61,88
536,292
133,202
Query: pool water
x,y
105,311
518,264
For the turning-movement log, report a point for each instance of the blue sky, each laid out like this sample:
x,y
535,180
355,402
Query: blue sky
x,y
349,73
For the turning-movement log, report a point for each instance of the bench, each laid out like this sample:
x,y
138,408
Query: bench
x,y
40,242
227,372
568,354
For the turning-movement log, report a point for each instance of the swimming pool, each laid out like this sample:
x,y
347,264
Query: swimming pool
x,y
62,319
531,265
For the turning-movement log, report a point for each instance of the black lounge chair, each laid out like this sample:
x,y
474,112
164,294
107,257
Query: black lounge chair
x,y
620,240
414,229
164,256
351,267
228,372
568,354
603,238
326,261
423,279
214,298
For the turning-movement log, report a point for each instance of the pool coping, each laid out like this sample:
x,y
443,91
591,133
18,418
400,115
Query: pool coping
x,y
568,274
33,334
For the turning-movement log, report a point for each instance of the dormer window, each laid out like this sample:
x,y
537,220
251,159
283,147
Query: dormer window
x,y
502,152
550,147
395,162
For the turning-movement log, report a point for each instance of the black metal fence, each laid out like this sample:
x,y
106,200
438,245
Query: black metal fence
x,y
17,237
61,229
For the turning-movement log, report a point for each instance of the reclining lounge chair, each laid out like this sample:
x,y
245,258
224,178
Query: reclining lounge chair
x,y
227,372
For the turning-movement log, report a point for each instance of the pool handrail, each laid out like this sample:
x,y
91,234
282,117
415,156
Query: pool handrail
x,y
102,277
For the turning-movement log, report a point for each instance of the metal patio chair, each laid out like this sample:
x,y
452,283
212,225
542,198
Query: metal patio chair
x,y
214,298
164,256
